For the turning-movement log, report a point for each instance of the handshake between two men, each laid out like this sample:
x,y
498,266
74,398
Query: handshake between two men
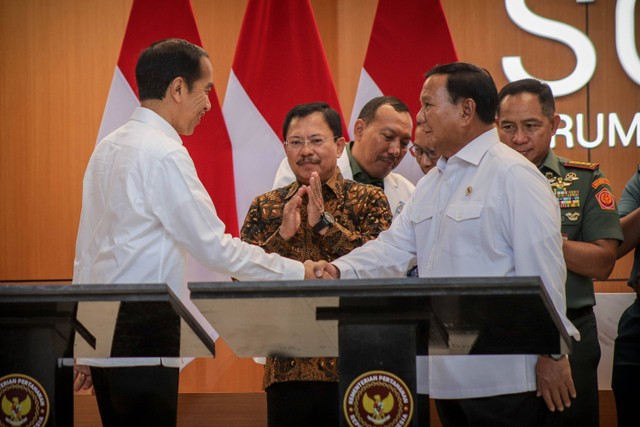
x,y
320,270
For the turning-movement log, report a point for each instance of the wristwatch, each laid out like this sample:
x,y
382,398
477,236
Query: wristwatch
x,y
555,357
326,220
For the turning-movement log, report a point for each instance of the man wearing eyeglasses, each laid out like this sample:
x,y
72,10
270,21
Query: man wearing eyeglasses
x,y
319,216
591,230
426,157
382,135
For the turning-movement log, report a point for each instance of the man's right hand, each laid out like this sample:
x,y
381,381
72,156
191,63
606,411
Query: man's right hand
x,y
291,215
82,378
320,270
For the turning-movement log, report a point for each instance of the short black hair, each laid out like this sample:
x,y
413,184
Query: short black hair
x,y
536,87
163,61
331,116
470,81
368,112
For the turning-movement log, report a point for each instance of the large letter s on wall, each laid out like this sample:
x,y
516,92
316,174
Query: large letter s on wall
x,y
626,39
566,34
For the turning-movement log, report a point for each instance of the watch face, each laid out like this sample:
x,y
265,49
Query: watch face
x,y
328,217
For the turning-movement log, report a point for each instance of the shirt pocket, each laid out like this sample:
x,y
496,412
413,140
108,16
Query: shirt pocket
x,y
462,229
421,217
420,213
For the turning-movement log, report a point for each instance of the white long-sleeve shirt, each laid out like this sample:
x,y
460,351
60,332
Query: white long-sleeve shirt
x,y
144,209
486,211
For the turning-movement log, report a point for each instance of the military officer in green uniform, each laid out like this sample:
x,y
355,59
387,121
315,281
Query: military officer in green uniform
x,y
590,227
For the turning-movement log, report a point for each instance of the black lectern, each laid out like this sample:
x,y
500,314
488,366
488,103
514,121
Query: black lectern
x,y
377,327
37,342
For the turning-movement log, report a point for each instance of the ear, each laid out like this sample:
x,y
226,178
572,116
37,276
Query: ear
x,y
177,88
555,123
340,143
358,129
467,109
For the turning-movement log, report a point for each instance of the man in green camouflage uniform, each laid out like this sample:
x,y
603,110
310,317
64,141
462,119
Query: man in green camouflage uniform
x,y
590,228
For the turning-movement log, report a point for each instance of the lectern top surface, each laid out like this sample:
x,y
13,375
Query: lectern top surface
x,y
396,287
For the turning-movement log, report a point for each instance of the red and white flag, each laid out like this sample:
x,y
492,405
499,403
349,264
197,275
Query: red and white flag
x,y
407,39
209,146
279,63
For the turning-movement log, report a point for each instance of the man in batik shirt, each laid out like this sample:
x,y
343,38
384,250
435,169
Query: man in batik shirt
x,y
321,216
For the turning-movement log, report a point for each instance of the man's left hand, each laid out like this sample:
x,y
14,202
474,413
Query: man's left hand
x,y
554,382
315,207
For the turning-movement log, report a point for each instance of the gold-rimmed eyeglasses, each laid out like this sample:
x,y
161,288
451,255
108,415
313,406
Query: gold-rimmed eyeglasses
x,y
297,144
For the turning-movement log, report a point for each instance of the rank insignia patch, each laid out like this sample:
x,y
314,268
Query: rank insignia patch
x,y
606,200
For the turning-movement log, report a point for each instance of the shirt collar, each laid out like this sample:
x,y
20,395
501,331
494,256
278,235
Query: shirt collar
x,y
551,162
475,150
150,117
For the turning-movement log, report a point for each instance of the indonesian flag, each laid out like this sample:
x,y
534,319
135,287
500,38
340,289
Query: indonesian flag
x,y
407,39
279,63
209,146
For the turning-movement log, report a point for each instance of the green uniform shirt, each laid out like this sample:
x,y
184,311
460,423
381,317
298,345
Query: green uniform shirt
x,y
588,213
629,202
359,175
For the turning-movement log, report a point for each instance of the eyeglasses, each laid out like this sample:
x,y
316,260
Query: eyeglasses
x,y
297,144
417,151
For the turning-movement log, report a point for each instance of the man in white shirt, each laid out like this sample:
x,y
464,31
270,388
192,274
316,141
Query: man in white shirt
x,y
143,210
382,135
485,211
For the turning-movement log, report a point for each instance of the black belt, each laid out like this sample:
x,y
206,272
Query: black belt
x,y
575,313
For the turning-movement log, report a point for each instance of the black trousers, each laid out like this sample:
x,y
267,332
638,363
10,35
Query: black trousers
x,y
625,380
508,410
137,396
141,395
584,410
303,403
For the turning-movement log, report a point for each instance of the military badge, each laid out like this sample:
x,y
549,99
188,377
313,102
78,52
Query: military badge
x,y
567,198
24,402
606,200
600,181
572,216
571,176
378,399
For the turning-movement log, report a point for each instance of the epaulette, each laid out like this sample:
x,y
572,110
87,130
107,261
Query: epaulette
x,y
580,165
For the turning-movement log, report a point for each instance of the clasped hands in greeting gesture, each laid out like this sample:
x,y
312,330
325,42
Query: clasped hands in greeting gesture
x,y
291,222
291,219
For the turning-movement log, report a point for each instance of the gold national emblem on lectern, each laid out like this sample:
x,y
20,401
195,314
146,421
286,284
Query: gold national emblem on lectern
x,y
24,402
378,399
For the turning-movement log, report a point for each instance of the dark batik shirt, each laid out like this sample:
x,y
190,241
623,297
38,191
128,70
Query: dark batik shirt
x,y
361,212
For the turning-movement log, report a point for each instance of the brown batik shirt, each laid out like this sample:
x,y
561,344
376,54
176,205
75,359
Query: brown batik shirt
x,y
361,212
